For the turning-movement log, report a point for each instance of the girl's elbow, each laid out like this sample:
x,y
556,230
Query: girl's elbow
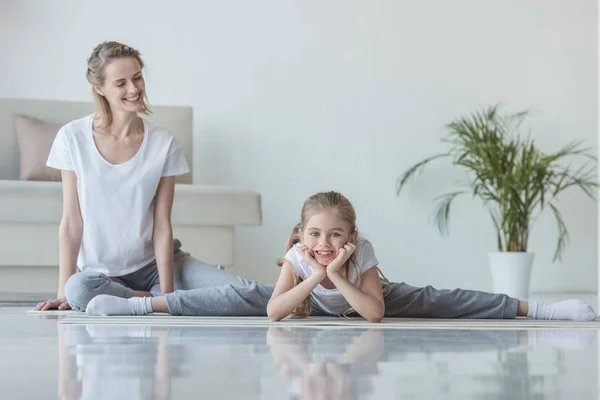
x,y
274,318
273,315
375,319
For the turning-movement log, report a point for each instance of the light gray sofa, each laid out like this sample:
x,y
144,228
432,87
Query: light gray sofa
x,y
204,217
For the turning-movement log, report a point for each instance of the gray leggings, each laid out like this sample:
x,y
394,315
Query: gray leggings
x,y
203,290
401,301
405,301
189,273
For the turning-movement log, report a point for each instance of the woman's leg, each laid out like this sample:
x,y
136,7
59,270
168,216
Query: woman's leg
x,y
248,300
191,273
405,301
202,290
145,280
207,291
224,301
82,287
228,300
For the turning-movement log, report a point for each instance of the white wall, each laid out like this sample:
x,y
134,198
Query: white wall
x,y
292,97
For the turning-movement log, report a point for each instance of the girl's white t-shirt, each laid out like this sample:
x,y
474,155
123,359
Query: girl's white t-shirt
x,y
331,300
116,200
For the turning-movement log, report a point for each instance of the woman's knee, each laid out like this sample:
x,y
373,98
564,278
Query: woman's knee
x,y
82,287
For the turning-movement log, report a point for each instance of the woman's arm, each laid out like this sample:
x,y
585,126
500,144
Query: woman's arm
x,y
69,231
287,296
69,241
368,300
162,235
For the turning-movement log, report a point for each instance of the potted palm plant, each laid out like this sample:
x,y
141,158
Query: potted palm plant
x,y
515,181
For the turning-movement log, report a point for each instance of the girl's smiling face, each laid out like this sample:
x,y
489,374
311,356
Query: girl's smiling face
x,y
325,233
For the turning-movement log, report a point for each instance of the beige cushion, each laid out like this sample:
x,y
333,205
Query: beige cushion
x,y
35,138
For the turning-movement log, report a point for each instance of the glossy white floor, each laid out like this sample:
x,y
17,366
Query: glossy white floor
x,y
42,359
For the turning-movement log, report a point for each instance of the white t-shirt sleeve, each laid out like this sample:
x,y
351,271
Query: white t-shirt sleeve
x,y
366,258
175,163
60,153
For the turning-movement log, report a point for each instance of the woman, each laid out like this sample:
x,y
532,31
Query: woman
x,y
118,177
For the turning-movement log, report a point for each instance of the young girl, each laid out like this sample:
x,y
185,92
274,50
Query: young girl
x,y
330,270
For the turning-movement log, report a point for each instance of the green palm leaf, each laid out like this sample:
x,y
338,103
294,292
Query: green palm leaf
x,y
512,177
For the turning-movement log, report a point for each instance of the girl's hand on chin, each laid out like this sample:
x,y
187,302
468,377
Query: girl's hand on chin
x,y
340,260
308,256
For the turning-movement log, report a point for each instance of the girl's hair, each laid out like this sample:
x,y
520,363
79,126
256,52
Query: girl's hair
x,y
335,202
101,56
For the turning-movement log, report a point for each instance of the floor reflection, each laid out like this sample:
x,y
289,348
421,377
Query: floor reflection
x,y
326,364
142,362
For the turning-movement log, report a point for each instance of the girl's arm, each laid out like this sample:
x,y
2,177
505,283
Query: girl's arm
x,y
367,301
286,296
162,235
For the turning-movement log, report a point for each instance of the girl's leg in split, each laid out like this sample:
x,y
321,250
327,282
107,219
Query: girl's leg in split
x,y
405,301
402,300
574,309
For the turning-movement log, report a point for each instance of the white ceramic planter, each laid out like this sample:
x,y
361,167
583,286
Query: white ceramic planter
x,y
511,273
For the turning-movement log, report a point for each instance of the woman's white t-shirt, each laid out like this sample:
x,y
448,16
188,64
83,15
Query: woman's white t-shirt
x,y
331,300
116,200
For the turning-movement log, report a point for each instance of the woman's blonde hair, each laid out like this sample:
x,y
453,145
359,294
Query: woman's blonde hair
x,y
101,56
335,202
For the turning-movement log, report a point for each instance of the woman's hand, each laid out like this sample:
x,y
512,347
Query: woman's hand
x,y
53,304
